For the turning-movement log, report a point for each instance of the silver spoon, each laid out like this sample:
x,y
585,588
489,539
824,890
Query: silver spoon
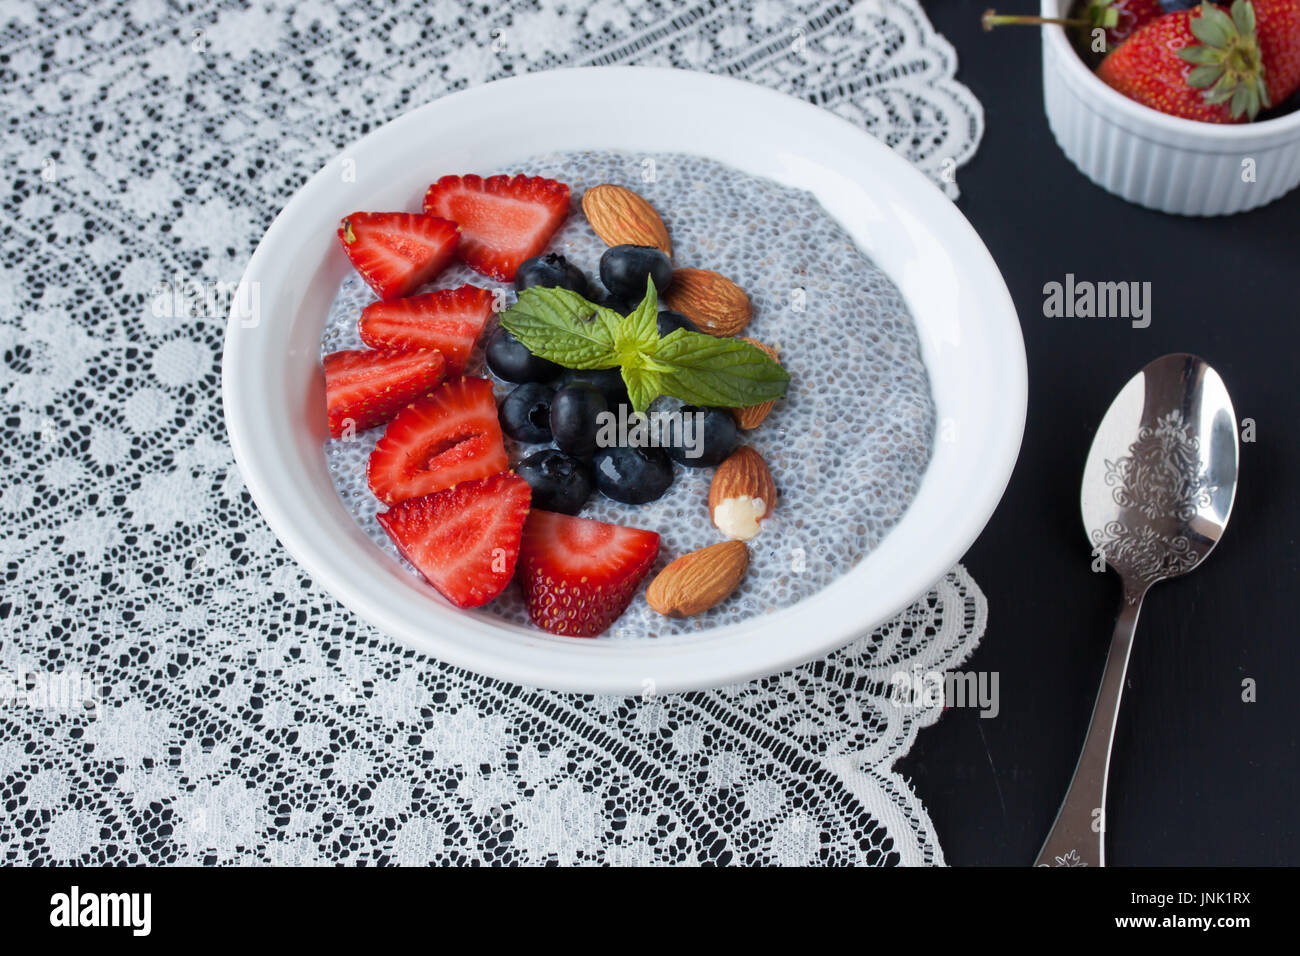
x,y
1157,491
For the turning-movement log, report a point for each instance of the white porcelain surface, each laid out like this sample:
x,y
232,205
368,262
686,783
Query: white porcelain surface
x,y
274,389
1163,162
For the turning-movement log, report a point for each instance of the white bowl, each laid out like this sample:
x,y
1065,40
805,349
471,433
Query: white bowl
x,y
274,389
1163,162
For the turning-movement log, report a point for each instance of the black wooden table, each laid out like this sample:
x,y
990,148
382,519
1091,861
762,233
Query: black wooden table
x,y
1198,775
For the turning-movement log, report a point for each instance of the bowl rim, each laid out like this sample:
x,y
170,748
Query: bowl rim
x,y
712,657
1111,100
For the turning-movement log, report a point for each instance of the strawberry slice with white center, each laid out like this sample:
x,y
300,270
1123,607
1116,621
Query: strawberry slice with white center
x,y
464,540
579,575
503,219
365,388
449,320
449,437
397,252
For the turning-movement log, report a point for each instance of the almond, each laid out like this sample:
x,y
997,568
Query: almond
x,y
742,494
710,300
621,217
751,416
697,581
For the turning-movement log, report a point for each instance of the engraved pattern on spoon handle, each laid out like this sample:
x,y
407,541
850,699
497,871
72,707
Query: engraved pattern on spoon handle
x,y
1078,837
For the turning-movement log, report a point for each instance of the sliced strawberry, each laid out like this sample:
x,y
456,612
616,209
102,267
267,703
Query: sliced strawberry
x,y
579,575
503,219
397,252
367,388
464,540
449,437
448,320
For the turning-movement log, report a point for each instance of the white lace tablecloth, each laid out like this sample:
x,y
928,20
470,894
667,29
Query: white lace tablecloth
x,y
173,688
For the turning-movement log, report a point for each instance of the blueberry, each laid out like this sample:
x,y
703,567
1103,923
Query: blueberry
x,y
670,321
623,270
702,437
510,360
526,413
633,475
618,304
575,413
608,381
560,482
549,271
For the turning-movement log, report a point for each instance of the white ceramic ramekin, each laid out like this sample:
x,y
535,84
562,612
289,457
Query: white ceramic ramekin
x,y
1162,162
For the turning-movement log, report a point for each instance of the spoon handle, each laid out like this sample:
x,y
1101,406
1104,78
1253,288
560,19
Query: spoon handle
x,y
1078,837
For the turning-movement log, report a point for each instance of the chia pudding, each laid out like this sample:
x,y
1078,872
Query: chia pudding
x,y
847,446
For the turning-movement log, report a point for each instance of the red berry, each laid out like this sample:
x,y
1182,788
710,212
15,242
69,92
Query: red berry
x,y
367,388
449,437
449,320
1207,65
503,220
397,252
465,539
1277,25
579,575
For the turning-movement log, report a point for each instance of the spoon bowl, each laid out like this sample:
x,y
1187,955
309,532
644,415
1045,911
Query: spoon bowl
x,y
1161,476
1158,488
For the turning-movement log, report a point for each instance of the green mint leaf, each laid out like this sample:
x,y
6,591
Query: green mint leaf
x,y
638,334
563,327
705,370
635,339
643,386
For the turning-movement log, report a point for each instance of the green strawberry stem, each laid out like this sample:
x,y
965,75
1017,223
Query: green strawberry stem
x,y
993,19
1100,14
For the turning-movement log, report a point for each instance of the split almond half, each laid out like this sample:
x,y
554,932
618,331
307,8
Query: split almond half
x,y
742,494
751,416
709,299
697,581
621,217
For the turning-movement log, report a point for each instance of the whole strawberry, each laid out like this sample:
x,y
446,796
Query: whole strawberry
x,y
1207,65
1278,29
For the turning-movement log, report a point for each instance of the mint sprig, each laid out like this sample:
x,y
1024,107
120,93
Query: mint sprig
x,y
562,326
